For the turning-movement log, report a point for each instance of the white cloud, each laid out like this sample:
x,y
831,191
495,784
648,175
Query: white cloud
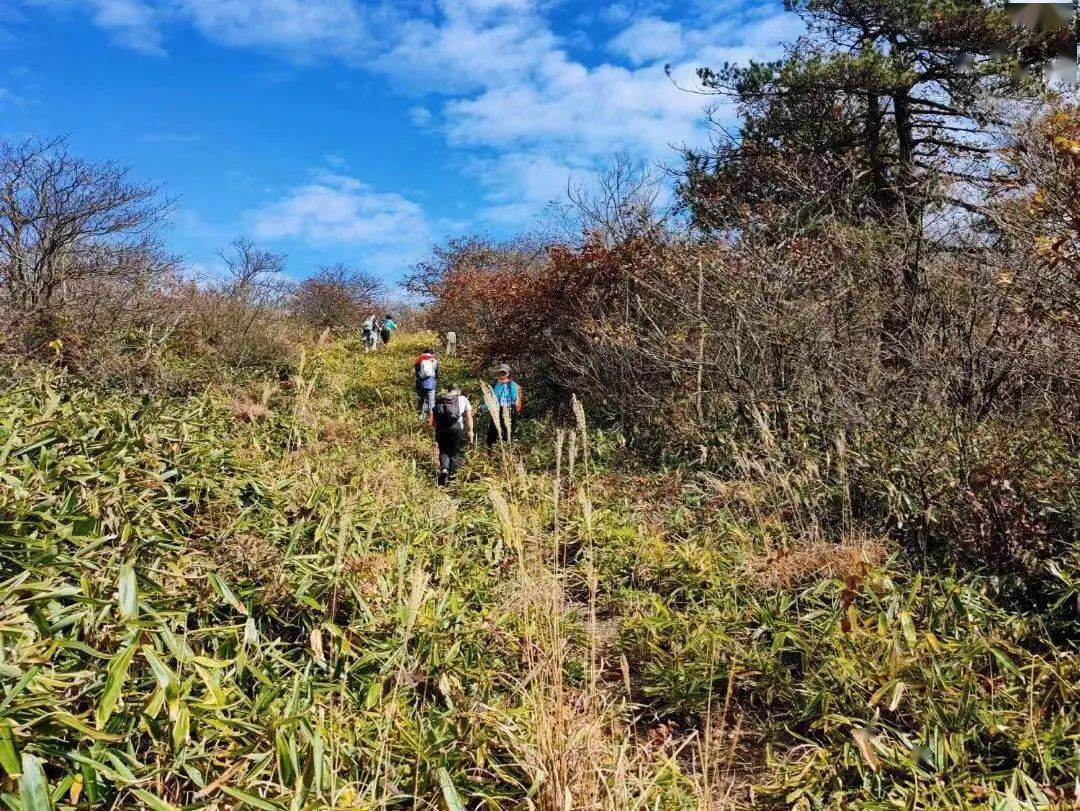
x,y
468,45
304,29
342,210
420,116
131,23
558,117
299,29
513,93
580,111
520,184
649,39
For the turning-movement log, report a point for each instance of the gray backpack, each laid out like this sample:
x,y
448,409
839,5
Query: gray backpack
x,y
448,413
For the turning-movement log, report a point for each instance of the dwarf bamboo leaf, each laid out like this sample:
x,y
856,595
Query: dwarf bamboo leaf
x,y
181,726
222,588
449,792
165,677
116,675
152,800
908,628
128,592
9,753
33,788
16,691
248,798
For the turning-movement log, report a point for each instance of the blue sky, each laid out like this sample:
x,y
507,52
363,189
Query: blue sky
x,y
364,131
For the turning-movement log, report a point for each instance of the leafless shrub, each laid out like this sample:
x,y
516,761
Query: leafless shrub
x,y
241,319
623,202
80,263
337,296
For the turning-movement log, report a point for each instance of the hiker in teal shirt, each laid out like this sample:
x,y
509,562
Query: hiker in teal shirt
x,y
508,395
388,327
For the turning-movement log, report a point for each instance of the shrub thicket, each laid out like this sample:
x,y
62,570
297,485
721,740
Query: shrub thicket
x,y
924,371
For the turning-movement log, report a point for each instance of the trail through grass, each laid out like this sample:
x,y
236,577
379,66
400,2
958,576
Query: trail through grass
x,y
258,597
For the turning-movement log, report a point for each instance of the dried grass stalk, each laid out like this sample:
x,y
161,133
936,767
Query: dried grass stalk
x,y
492,406
851,557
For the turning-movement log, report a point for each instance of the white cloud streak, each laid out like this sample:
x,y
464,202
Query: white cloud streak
x,y
133,24
648,40
306,30
344,211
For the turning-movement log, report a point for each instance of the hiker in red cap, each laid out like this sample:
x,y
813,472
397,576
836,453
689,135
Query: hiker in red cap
x,y
426,374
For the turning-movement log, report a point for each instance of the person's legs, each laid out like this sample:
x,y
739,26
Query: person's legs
x,y
449,456
492,433
386,337
454,463
444,459
425,402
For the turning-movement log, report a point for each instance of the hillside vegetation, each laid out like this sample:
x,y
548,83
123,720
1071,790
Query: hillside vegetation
x,y
792,520
255,596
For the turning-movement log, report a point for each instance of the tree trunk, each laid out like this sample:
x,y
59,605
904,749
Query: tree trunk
x,y
700,395
878,176
905,138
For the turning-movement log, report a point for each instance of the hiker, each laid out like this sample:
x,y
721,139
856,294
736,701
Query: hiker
x,y
451,344
426,375
508,397
388,327
452,419
369,333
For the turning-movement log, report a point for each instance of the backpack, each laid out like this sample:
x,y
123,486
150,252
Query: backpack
x,y
426,369
448,413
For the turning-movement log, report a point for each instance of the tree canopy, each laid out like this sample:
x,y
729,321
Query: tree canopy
x,y
879,109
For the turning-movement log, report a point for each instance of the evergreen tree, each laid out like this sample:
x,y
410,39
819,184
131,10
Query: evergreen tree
x,y
881,108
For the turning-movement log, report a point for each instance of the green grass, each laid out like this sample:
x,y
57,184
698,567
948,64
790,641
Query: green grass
x,y
257,597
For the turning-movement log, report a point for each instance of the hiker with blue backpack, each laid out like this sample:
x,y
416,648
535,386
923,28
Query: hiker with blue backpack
x,y
507,395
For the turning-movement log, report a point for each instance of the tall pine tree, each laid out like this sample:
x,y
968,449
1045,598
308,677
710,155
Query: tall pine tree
x,y
882,108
